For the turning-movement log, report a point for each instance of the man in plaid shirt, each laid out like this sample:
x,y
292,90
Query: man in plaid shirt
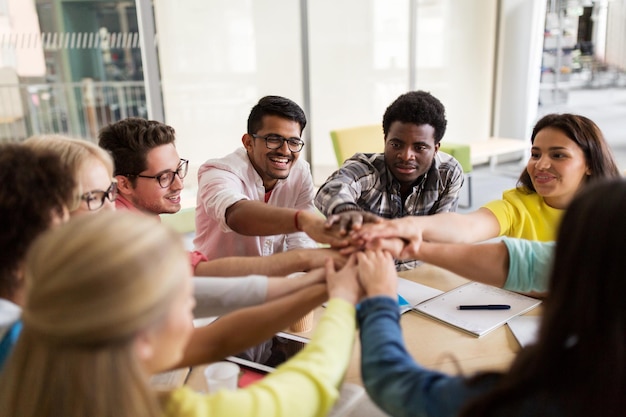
x,y
410,178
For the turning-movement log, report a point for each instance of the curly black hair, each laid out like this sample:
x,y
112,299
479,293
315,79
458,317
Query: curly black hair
x,y
420,108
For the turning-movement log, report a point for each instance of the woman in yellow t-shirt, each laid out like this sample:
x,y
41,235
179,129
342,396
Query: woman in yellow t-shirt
x,y
568,151
101,316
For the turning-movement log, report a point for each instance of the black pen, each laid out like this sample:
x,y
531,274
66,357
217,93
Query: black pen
x,y
486,307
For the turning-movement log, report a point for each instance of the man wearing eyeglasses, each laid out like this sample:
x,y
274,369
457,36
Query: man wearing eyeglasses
x,y
259,199
150,173
148,170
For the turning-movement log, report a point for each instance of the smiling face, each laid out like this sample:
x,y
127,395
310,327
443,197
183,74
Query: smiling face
x,y
409,151
147,195
557,167
272,164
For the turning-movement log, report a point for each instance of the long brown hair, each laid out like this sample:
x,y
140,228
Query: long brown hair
x,y
92,286
588,136
578,365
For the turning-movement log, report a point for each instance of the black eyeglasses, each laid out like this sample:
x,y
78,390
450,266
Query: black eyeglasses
x,y
167,178
273,141
95,198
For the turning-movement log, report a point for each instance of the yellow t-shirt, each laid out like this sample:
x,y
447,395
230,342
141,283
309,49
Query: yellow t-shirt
x,y
305,386
525,216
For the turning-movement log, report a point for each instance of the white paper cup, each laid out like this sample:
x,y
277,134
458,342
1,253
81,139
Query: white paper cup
x,y
221,375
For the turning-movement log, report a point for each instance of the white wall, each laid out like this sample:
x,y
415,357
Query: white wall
x,y
218,57
456,53
519,66
616,34
359,65
20,29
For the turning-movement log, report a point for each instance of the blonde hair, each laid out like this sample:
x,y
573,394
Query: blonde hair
x,y
92,285
74,154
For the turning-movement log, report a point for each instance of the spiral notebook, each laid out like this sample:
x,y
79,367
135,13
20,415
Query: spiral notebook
x,y
444,307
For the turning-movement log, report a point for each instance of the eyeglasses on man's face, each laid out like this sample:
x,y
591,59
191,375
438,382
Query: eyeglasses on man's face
x,y
95,198
167,178
273,141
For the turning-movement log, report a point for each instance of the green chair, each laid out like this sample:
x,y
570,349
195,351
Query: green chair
x,y
183,222
347,142
370,139
461,152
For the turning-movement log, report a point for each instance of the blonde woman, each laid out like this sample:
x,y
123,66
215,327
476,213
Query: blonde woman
x,y
91,166
99,321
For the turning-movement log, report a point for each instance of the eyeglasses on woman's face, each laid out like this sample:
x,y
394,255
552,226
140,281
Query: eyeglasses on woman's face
x,y
95,198
166,178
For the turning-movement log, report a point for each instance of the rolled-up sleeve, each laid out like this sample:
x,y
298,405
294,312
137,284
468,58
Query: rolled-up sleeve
x,y
218,190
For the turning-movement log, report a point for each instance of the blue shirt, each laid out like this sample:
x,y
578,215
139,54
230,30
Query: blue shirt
x,y
393,380
8,341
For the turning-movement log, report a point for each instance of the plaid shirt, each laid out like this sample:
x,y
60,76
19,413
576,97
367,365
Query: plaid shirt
x,y
364,182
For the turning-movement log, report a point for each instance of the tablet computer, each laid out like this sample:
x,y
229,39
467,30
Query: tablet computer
x,y
262,359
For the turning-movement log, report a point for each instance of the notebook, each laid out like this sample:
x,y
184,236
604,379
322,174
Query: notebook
x,y
444,307
411,294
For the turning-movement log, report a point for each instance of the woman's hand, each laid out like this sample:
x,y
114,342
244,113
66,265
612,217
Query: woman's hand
x,y
343,283
377,273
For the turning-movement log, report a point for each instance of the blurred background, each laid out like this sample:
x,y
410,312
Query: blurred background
x,y
72,66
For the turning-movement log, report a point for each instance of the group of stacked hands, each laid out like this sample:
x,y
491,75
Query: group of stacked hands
x,y
256,214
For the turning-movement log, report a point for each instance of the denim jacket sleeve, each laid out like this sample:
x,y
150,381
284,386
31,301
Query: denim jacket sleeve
x,y
394,381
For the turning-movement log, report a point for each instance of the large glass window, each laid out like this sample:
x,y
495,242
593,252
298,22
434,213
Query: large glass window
x,y
68,67
217,59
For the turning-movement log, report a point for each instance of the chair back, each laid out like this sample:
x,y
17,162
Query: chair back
x,y
460,152
347,142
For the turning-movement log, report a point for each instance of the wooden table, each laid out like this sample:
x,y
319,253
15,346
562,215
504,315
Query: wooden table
x,y
442,347
433,344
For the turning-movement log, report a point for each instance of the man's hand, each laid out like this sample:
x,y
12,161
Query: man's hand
x,y
351,220
398,248
408,228
313,225
317,257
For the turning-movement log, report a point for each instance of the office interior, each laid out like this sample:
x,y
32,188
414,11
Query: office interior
x,y
71,66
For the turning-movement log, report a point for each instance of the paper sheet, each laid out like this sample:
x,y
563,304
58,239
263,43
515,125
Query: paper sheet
x,y
413,293
525,329
476,322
